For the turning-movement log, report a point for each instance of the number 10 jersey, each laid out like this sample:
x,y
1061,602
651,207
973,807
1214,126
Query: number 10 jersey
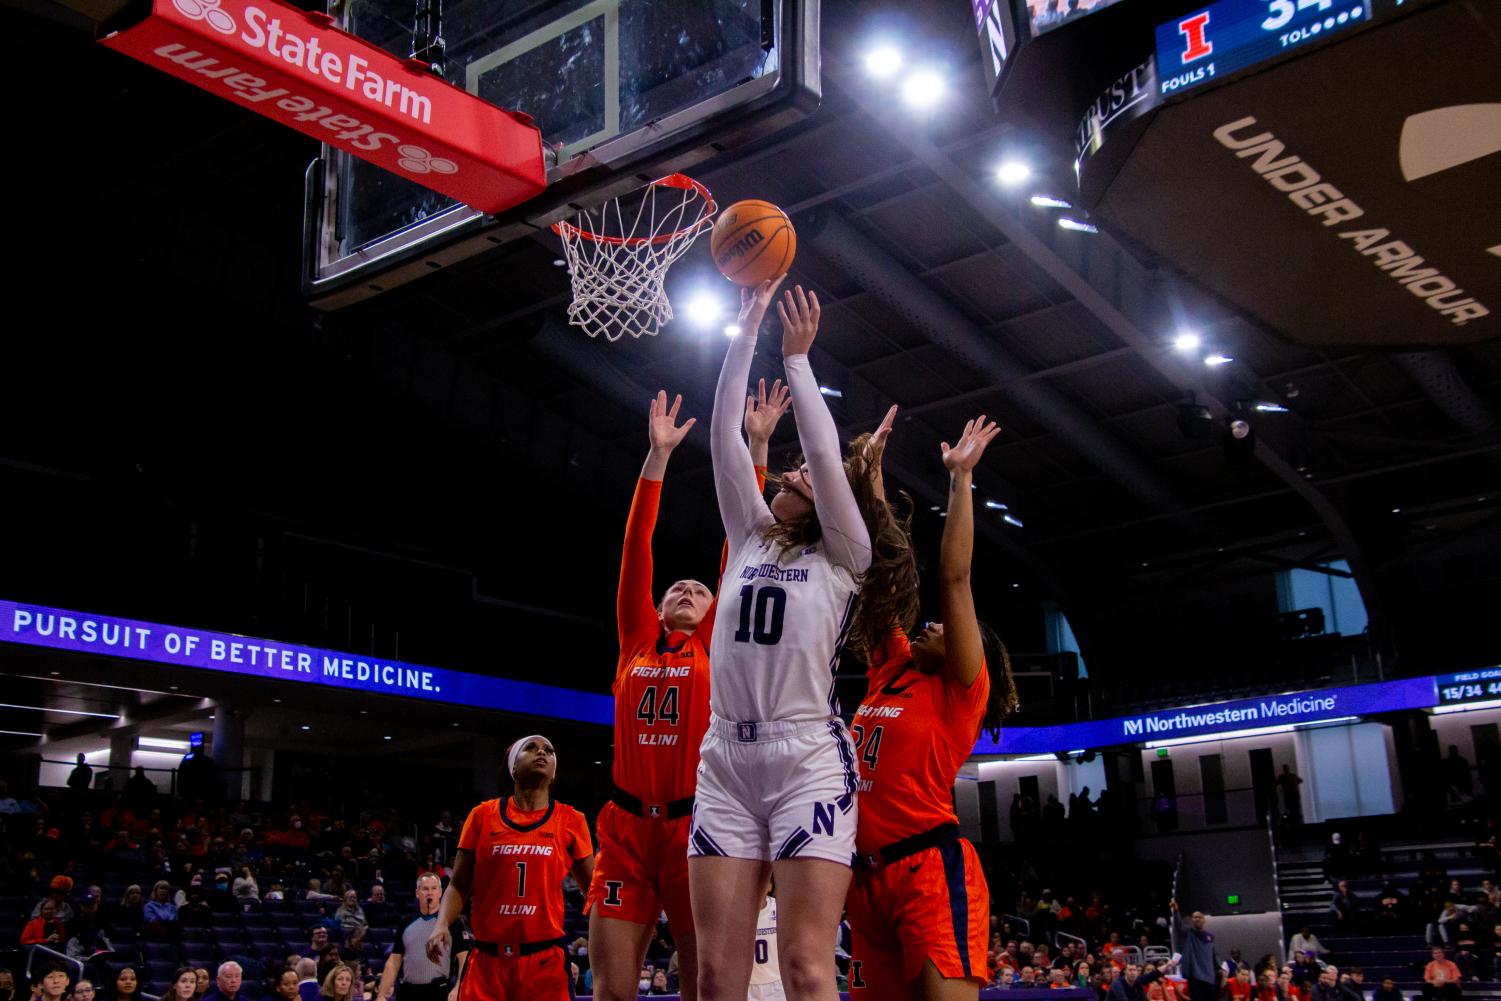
x,y
781,623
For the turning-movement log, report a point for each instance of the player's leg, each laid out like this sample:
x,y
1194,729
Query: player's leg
x,y
622,904
724,892
876,970
672,884
810,898
727,864
543,976
616,951
944,917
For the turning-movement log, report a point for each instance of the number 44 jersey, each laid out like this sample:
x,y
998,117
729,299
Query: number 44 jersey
x,y
782,621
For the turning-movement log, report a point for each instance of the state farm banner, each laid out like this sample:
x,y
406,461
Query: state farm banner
x,y
295,67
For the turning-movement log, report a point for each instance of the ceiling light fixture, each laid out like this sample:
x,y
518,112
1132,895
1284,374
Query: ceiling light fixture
x,y
883,61
1076,225
923,89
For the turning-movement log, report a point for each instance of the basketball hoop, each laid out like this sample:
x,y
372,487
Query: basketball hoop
x,y
618,267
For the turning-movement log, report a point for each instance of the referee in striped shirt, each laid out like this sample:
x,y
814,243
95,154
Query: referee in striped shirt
x,y
421,979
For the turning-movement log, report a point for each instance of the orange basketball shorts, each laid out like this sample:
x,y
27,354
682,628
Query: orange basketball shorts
x,y
542,976
641,870
932,905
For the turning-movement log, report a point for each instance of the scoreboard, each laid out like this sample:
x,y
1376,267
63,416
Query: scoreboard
x,y
1469,686
1231,35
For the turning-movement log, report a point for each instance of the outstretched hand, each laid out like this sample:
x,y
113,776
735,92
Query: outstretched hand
x,y
764,410
876,447
964,456
662,426
798,311
754,303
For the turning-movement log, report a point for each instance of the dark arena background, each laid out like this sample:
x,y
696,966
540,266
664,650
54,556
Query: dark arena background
x,y
313,496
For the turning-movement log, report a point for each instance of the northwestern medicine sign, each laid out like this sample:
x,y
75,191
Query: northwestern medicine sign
x,y
174,646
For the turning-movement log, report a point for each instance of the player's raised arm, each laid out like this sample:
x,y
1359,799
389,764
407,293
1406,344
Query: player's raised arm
x,y
741,506
635,614
846,538
964,652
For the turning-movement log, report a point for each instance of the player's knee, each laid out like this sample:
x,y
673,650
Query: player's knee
x,y
713,981
806,970
614,992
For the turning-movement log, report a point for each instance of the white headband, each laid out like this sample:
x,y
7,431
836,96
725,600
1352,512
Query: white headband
x,y
515,751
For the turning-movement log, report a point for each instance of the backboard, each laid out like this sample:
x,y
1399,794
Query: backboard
x,y
623,91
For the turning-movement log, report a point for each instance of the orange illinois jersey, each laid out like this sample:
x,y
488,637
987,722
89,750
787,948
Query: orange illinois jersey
x,y
911,732
661,682
520,859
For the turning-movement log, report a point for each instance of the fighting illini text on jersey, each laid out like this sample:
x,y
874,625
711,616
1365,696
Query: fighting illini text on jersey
x,y
520,859
912,732
661,683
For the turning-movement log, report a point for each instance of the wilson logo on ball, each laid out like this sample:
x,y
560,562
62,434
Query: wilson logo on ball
x,y
740,246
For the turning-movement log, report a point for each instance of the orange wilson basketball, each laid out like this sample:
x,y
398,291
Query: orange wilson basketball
x,y
753,241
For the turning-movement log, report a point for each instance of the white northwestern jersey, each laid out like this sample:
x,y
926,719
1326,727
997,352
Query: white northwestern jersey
x,y
780,625
766,970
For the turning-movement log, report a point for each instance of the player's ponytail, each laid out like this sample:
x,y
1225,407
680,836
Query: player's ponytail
x,y
1003,701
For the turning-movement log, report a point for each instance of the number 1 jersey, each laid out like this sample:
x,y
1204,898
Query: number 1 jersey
x,y
520,860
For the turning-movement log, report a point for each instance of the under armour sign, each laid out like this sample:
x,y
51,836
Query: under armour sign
x,y
295,67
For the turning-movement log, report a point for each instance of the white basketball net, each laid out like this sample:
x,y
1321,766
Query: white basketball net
x,y
618,259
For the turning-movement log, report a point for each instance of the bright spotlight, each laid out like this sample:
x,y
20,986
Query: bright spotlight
x,y
996,505
883,61
831,391
1216,360
732,330
923,89
1012,520
1013,172
703,309
1187,341
1076,225
1049,202
1271,408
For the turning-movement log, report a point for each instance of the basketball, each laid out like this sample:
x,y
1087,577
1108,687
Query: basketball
x,y
753,241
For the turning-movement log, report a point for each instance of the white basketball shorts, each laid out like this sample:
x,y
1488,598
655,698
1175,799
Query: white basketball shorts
x,y
780,790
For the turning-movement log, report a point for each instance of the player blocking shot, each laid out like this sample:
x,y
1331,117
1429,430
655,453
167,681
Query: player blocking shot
x,y
661,694
824,564
919,908
512,857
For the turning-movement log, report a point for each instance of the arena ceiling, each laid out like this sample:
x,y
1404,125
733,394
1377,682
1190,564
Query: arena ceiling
x,y
441,473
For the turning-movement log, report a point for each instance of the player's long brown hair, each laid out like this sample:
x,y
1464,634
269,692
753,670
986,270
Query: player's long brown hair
x,y
1003,700
888,588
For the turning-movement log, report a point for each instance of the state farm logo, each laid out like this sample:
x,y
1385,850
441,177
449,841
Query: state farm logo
x,y
207,11
416,160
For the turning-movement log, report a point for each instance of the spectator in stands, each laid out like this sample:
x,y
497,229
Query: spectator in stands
x,y
1387,991
1082,973
1292,798
203,983
286,985
1267,988
1305,970
1391,909
1466,951
315,891
1196,944
47,929
129,912
1456,775
245,886
1440,969
1326,988
127,985
49,980
1346,908
82,991
308,988
339,984
378,894
658,983
82,776
1352,982
57,892
317,942
8,804
1442,929
196,913
1163,988
1441,989
184,985
159,914
226,982
1306,941
1238,987
350,914
90,931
